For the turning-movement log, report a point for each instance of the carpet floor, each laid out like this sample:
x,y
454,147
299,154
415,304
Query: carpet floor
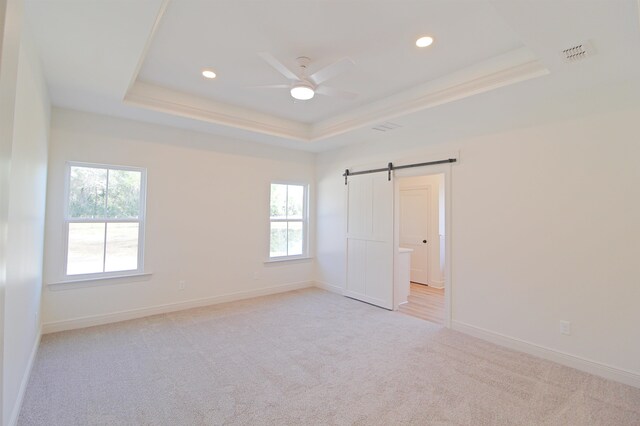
x,y
306,357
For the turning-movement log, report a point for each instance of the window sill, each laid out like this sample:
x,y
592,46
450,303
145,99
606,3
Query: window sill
x,y
99,281
289,259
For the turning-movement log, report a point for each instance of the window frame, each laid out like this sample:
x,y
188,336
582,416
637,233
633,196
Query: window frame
x,y
304,221
67,220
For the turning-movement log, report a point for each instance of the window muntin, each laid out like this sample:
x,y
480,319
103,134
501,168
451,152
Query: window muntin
x,y
288,221
104,220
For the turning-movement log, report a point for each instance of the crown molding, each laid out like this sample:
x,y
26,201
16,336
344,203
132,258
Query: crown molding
x,y
147,44
510,68
503,70
162,99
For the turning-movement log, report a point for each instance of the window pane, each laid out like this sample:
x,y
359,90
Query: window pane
x,y
278,201
87,190
124,194
86,246
295,201
295,238
278,239
122,247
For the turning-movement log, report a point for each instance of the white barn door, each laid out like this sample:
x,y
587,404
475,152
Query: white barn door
x,y
370,239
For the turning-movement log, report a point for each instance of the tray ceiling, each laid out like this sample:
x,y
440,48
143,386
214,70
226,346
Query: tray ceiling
x,y
152,59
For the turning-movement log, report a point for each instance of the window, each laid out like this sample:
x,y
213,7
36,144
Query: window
x,y
104,220
288,221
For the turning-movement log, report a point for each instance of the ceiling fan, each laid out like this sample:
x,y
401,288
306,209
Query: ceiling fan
x,y
304,87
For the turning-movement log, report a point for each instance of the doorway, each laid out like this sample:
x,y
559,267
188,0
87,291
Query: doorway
x,y
422,230
377,268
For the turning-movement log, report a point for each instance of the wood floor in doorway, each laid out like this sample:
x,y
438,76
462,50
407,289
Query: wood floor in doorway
x,y
426,303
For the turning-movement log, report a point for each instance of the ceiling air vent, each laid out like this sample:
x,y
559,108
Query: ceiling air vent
x,y
578,52
385,127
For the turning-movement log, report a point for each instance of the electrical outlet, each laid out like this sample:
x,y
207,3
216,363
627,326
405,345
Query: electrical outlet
x,y
181,285
565,327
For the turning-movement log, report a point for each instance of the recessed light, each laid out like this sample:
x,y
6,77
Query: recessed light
x,y
208,74
424,41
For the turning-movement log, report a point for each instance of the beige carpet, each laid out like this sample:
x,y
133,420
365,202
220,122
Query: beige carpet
x,y
304,358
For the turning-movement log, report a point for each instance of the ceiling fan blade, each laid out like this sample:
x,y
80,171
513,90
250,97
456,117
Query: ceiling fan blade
x,y
278,66
330,91
331,70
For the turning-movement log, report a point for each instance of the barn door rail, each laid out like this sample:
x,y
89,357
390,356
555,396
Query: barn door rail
x,y
390,168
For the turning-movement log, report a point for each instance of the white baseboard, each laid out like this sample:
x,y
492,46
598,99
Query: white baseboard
x,y
596,368
397,308
329,287
89,321
436,284
25,380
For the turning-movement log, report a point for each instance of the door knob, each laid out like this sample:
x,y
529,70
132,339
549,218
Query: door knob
x,y
424,241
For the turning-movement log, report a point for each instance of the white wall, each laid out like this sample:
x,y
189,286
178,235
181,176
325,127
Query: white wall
x,y
25,228
10,31
435,183
207,217
545,227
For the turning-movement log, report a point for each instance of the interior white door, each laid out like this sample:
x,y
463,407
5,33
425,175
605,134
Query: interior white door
x,y
414,230
370,239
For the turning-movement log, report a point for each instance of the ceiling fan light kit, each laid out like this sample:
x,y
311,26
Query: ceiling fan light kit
x,y
302,91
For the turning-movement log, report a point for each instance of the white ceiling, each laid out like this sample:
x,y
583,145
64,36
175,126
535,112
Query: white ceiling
x,y
142,59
